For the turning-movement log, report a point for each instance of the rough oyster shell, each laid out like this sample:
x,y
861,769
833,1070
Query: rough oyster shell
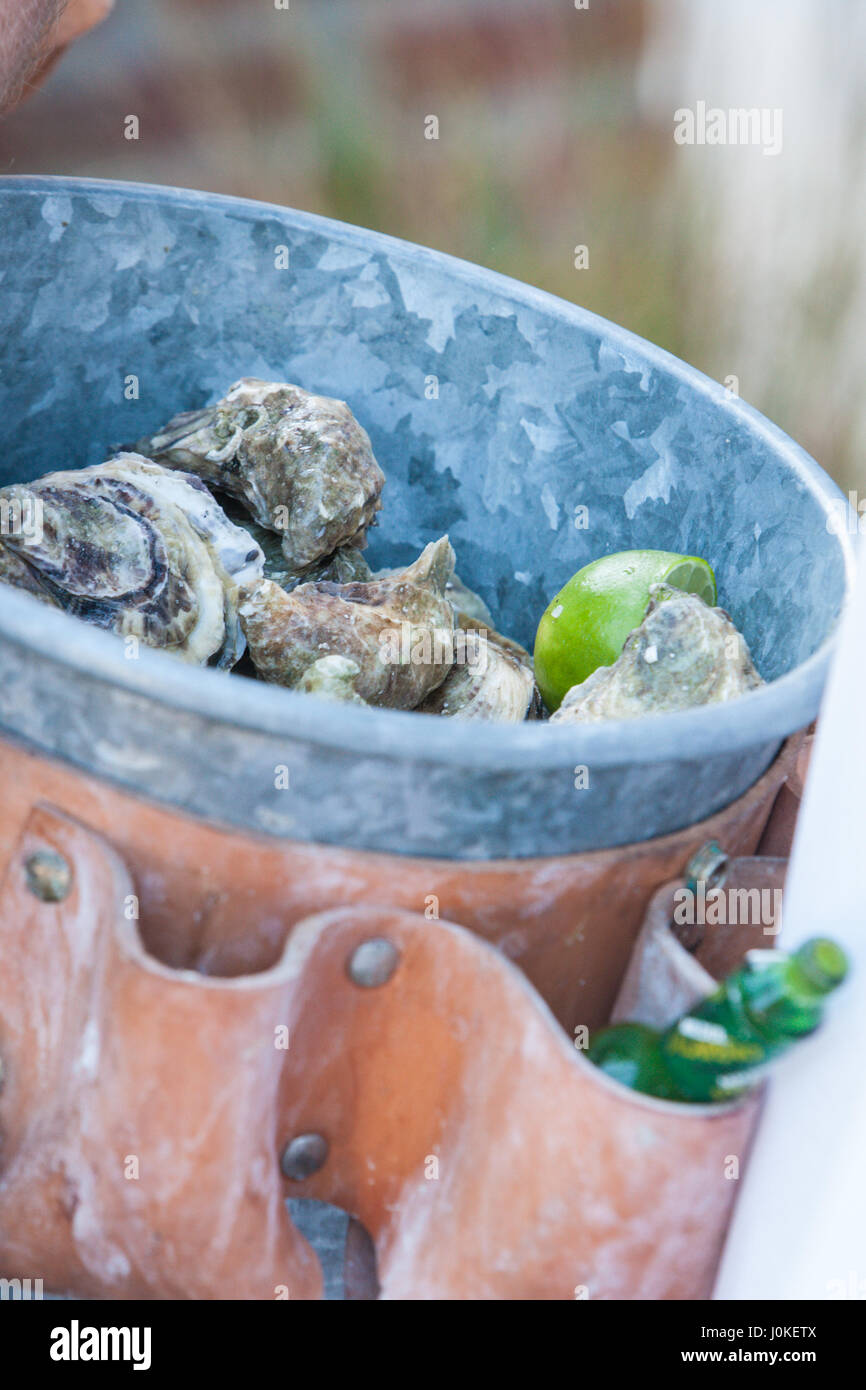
x,y
398,629
492,677
462,599
683,654
301,463
332,678
142,551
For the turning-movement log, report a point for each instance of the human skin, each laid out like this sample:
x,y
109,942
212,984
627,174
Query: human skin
x,y
33,35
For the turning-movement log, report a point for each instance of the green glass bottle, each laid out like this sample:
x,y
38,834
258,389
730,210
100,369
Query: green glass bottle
x,y
721,1046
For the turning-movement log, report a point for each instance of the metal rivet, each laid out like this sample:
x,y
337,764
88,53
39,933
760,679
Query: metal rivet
x,y
373,963
303,1156
49,877
708,865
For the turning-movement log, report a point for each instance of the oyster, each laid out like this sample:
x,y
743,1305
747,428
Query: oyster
x,y
142,551
492,677
300,463
683,654
332,678
398,629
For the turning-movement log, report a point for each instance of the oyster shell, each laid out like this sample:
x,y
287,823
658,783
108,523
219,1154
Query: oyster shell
x,y
462,599
300,463
492,677
332,678
142,551
398,629
683,654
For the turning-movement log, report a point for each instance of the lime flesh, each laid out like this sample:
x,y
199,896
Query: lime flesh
x,y
586,624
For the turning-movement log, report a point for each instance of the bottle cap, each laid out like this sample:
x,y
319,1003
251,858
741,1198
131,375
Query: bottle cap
x,y
824,964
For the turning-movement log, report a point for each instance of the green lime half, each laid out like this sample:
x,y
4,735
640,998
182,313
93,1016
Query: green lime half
x,y
586,624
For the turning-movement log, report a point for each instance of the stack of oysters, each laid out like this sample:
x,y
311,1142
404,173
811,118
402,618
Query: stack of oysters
x,y
234,535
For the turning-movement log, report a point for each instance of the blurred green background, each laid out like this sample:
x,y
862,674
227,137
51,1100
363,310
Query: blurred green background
x,y
555,130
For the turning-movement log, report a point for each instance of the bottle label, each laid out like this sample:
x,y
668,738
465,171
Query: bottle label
x,y
711,1044
733,1081
702,1030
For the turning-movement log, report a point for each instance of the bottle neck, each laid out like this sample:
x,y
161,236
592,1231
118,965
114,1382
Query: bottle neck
x,y
779,997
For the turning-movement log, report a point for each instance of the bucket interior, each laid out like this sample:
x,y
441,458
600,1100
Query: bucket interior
x,y
536,435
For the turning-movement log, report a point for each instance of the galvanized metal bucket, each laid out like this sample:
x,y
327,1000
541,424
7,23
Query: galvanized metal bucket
x,y
497,413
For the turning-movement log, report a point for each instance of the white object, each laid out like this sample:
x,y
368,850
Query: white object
x,y
799,1227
